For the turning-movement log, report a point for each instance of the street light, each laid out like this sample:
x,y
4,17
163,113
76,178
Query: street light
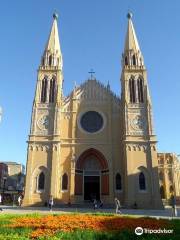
x,y
4,183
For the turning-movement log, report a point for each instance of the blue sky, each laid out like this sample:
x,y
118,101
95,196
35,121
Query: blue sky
x,y
92,34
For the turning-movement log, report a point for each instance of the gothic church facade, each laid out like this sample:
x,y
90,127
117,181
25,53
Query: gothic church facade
x,y
92,143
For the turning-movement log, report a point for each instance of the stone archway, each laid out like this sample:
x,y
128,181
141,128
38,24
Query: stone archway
x,y
91,170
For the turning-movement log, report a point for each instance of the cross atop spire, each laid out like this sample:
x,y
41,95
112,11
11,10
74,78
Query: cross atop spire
x,y
52,56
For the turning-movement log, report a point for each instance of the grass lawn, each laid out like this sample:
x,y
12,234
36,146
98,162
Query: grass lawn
x,y
82,226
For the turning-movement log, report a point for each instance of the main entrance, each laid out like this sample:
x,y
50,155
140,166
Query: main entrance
x,y
91,188
92,175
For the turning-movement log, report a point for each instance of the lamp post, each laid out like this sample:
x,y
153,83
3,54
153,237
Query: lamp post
x,y
4,183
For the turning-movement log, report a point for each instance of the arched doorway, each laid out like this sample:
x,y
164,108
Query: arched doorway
x,y
92,175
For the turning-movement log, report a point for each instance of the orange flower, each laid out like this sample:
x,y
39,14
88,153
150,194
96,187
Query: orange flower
x,y
49,225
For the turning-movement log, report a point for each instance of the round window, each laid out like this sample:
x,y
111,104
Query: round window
x,y
91,121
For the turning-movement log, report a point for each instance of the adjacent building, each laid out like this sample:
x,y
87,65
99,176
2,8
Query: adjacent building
x,y
12,176
169,175
3,174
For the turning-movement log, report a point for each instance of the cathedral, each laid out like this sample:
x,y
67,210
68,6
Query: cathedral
x,y
92,144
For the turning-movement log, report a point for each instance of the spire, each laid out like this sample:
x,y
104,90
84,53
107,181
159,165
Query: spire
x,y
52,56
131,39
132,54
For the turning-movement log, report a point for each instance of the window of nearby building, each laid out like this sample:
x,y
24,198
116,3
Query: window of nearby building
x,y
142,181
65,182
41,181
118,182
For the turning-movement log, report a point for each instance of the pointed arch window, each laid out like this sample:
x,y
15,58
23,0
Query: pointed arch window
x,y
50,60
142,181
162,192
118,182
161,175
43,61
65,181
140,90
171,189
132,90
52,90
134,60
169,176
126,60
44,90
41,181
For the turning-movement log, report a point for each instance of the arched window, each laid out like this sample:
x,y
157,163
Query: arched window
x,y
43,61
44,90
52,90
142,181
162,192
134,60
171,189
161,175
126,61
118,182
65,182
50,60
132,90
140,90
41,181
169,176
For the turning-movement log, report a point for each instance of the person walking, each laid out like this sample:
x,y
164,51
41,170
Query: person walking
x,y
51,202
20,201
173,205
100,204
95,204
0,202
118,205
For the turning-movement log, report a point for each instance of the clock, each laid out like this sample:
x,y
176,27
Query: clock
x,y
137,123
43,122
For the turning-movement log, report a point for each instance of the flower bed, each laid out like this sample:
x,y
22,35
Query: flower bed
x,y
50,225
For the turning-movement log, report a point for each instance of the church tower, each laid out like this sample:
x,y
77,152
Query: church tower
x,y
141,182
44,135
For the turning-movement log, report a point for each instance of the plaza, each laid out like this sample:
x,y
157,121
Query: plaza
x,y
166,213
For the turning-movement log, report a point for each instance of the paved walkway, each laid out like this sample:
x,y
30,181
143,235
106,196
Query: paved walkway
x,y
166,213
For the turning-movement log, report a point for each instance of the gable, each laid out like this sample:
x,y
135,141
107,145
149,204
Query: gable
x,y
92,91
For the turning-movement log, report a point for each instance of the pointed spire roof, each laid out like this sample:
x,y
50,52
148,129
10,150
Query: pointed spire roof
x,y
131,39
52,56
53,44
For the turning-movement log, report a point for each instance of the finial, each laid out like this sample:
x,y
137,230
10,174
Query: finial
x,y
129,15
55,16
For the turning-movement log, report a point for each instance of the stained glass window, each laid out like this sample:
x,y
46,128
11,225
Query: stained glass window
x,y
91,121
